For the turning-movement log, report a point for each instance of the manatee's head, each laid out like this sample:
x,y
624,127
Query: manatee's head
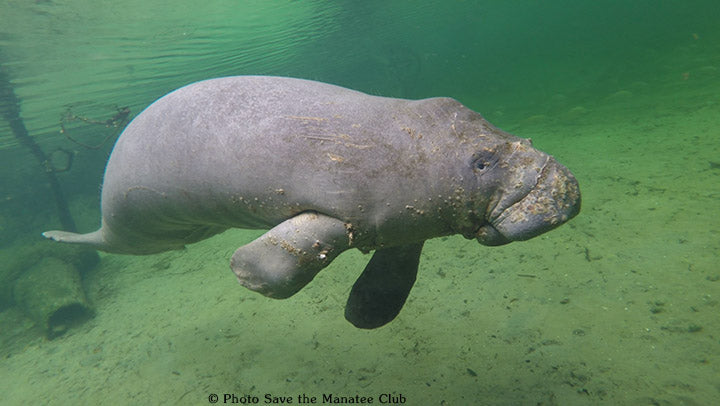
x,y
519,192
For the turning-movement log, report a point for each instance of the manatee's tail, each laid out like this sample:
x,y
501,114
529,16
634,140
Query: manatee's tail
x,y
94,239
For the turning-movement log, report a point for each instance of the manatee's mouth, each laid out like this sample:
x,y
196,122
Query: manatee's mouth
x,y
553,200
489,235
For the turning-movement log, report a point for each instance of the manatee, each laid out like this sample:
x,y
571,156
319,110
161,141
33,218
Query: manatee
x,y
324,169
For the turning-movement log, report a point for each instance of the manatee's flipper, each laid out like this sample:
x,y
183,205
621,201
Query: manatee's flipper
x,y
94,239
381,290
286,258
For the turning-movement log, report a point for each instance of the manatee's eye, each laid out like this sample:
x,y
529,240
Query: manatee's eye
x,y
483,160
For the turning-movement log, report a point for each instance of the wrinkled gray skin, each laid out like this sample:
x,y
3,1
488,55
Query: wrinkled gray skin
x,y
325,169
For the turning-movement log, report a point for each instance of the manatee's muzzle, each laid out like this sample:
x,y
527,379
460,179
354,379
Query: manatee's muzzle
x,y
554,200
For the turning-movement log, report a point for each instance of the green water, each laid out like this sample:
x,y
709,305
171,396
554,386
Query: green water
x,y
620,306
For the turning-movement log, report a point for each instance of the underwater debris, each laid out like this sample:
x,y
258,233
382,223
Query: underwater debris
x,y
118,121
10,112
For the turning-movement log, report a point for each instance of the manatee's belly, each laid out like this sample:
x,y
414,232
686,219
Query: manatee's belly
x,y
180,207
179,210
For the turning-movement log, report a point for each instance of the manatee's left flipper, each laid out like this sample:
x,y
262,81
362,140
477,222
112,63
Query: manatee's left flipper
x,y
381,290
286,258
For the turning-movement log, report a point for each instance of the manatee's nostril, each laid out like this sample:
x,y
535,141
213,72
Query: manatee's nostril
x,y
554,199
566,191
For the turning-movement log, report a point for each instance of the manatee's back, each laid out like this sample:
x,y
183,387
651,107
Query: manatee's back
x,y
251,151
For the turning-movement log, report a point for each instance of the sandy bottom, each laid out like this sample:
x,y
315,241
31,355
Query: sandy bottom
x,y
621,305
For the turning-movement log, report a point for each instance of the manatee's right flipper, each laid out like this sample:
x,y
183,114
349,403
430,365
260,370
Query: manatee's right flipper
x,y
286,258
381,290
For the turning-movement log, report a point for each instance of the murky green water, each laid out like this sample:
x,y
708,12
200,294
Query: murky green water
x,y
618,306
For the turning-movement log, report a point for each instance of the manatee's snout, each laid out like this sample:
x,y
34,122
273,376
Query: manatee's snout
x,y
553,200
